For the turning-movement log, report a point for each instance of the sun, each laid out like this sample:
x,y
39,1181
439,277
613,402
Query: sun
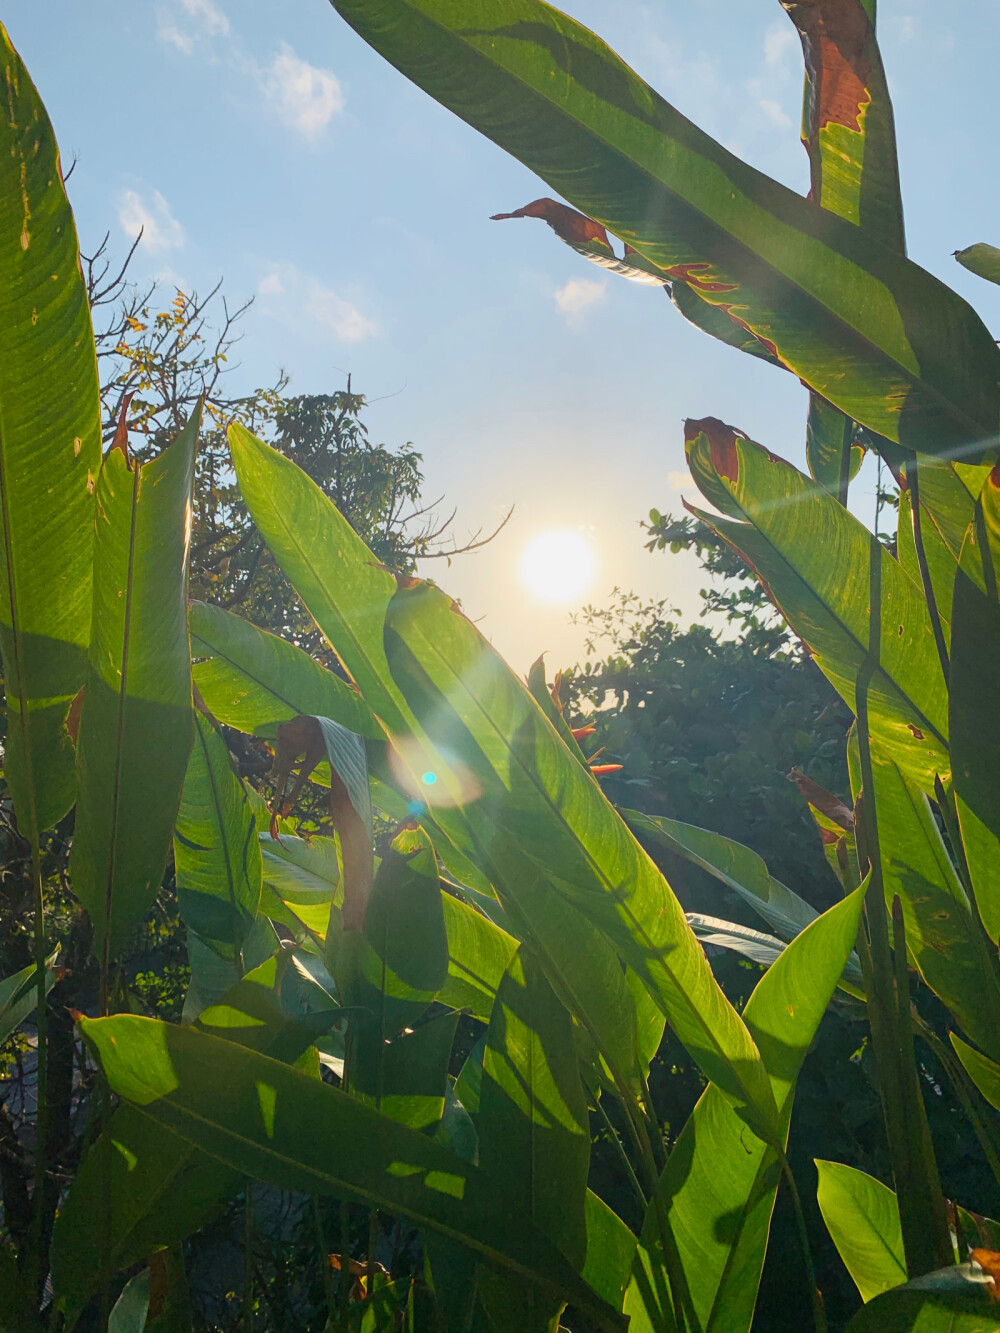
x,y
558,566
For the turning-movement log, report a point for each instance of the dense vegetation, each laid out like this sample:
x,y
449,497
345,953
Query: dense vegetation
x,y
448,1028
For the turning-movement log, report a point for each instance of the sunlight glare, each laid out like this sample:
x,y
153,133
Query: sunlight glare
x,y
558,566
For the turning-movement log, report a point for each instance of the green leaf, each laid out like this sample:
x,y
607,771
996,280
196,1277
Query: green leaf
x,y
50,453
136,725
216,849
983,1071
950,1300
847,119
19,996
974,679
981,259
277,1124
943,935
734,865
253,680
340,582
406,1077
941,563
610,1251
862,1216
718,1188
478,955
132,1306
534,1132
492,749
147,1185
815,561
873,333
394,967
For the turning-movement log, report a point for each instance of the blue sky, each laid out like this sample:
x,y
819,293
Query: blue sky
x,y
263,142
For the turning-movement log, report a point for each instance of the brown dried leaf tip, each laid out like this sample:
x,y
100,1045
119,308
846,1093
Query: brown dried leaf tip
x,y
721,443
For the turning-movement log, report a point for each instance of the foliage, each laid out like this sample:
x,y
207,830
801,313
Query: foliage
x,y
320,1027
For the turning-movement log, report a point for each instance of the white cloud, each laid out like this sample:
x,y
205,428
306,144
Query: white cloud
x,y
775,113
576,297
345,320
160,229
779,42
201,19
304,96
271,285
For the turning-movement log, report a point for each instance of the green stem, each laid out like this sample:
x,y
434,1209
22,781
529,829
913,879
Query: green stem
x,y
324,1259
815,1295
344,1286
913,481
921,1204
622,1155
963,1088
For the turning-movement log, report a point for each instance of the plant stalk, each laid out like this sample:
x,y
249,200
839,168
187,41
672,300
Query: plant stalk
x,y
815,1295
913,481
963,1088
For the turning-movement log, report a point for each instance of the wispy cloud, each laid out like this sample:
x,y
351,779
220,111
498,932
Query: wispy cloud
x,y
576,297
347,323
152,216
187,22
775,113
304,96
271,285
779,43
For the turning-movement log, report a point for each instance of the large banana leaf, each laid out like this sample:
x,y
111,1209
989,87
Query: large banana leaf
x,y
50,453
217,857
718,1188
478,955
274,1123
136,724
975,678
348,594
485,734
943,935
848,132
950,1300
253,680
847,121
534,1131
873,333
862,1216
819,565
340,582
150,1187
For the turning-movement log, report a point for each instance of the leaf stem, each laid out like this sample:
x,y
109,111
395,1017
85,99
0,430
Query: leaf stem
x,y
913,481
620,1152
815,1295
248,1256
963,1090
41,1065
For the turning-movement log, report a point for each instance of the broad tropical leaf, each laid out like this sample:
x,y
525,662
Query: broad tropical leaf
x,y
862,1216
253,680
820,566
718,1188
136,724
983,1071
974,679
266,1120
50,454
950,1300
217,856
873,333
152,1187
943,935
484,732
734,865
19,995
534,1133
